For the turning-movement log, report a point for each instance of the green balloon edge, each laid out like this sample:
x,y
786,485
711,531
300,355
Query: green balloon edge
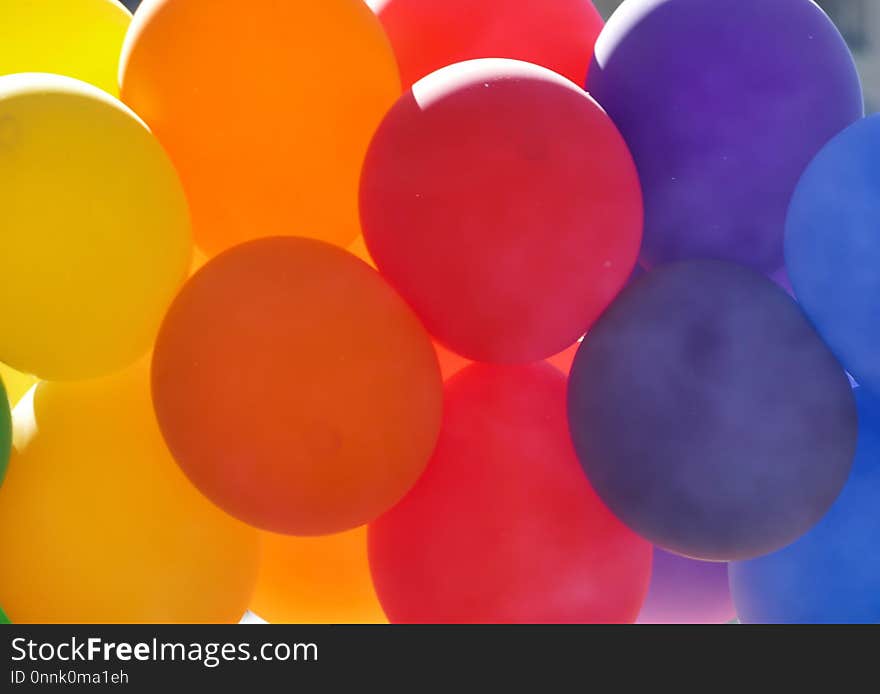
x,y
5,431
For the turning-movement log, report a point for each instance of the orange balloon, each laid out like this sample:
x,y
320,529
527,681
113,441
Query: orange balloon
x,y
358,248
317,580
565,358
295,388
266,108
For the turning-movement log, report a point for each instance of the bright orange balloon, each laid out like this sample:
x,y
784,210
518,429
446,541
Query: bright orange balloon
x,y
97,523
295,387
565,358
266,108
317,580
358,248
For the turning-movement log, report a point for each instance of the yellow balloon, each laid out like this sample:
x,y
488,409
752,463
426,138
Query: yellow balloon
x,y
17,384
317,580
94,225
77,38
99,525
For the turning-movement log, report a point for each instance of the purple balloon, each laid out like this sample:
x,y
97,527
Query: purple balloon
x,y
687,591
708,414
723,105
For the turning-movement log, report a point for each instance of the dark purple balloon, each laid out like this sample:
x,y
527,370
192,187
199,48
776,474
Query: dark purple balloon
x,y
723,104
687,591
708,414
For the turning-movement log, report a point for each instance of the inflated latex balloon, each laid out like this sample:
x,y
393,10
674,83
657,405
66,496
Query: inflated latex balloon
x,y
831,574
428,35
723,104
3,618
5,431
358,248
98,524
502,203
95,229
565,358
76,38
450,362
266,110
337,390
316,580
17,384
503,526
708,414
832,249
686,591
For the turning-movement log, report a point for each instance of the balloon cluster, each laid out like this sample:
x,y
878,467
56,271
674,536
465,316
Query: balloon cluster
x,y
436,312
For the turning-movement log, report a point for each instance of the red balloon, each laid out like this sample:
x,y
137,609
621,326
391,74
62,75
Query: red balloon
x,y
503,525
430,34
502,203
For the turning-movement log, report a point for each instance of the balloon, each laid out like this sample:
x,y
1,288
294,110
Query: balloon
x,y
97,523
266,110
5,431
76,38
686,591
723,104
428,35
17,384
708,414
832,573
565,358
337,390
3,618
501,202
317,580
95,228
832,250
450,362
358,248
503,526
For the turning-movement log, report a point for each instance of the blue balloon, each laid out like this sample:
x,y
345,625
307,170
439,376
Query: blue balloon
x,y
708,414
832,247
831,574
723,103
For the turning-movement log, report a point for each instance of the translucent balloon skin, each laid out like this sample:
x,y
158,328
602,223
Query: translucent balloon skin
x,y
450,362
337,392
267,110
17,384
708,414
503,526
5,431
686,591
95,228
502,203
98,524
75,38
428,35
316,580
832,249
722,104
831,574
